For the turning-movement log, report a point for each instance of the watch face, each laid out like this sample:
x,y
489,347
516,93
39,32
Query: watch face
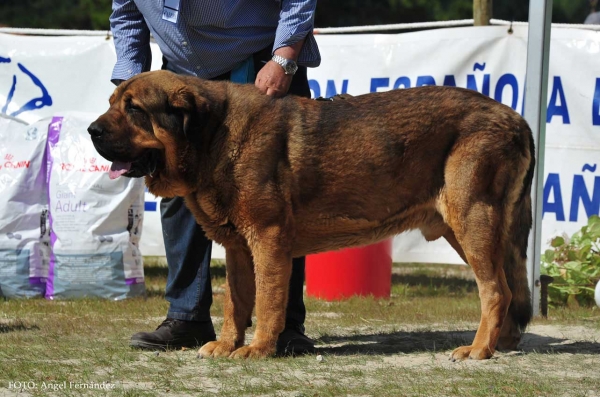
x,y
291,67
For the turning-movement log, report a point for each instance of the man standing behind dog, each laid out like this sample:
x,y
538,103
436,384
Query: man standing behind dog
x,y
267,42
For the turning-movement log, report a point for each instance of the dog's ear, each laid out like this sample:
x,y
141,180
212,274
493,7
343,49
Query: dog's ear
x,y
192,110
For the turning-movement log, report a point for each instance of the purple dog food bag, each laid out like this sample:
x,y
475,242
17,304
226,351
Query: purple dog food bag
x,y
24,237
95,222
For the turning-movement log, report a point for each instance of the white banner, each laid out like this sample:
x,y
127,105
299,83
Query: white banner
x,y
40,76
491,60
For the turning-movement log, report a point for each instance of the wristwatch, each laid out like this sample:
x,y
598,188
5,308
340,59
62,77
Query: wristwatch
x,y
289,66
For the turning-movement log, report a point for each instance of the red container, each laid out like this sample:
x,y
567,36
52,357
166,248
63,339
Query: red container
x,y
360,271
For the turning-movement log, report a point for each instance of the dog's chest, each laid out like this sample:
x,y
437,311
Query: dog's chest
x,y
211,213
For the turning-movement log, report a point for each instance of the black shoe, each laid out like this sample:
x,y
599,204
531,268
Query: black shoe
x,y
175,334
292,341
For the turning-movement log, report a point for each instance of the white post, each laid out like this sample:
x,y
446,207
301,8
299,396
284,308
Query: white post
x,y
536,102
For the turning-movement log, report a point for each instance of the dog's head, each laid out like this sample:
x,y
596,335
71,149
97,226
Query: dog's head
x,y
153,128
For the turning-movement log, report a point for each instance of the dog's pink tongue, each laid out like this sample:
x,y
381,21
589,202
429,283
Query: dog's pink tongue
x,y
117,169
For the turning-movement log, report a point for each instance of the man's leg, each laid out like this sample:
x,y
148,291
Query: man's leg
x,y
188,256
292,340
188,288
296,312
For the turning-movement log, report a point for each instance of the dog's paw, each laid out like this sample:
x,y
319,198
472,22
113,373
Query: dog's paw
x,y
471,352
216,349
253,352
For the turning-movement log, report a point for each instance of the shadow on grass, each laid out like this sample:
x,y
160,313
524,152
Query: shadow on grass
x,y
156,271
453,283
18,325
156,277
217,269
155,292
394,342
436,341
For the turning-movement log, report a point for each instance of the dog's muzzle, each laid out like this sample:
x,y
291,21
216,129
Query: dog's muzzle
x,y
122,163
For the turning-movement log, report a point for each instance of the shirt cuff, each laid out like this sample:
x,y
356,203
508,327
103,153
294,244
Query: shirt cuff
x,y
127,68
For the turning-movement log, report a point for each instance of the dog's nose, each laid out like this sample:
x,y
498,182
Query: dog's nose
x,y
95,130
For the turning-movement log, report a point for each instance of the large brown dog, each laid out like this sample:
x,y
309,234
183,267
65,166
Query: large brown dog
x,y
272,179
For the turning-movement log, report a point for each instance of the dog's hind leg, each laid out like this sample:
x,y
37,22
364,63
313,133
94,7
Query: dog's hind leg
x,y
519,311
515,271
474,203
478,228
510,335
515,268
483,252
238,304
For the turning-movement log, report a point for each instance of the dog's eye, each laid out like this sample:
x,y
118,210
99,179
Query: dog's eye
x,y
131,107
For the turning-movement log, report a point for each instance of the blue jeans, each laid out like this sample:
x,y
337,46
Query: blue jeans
x,y
188,251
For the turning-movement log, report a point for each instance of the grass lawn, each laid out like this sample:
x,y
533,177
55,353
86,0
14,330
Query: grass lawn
x,y
391,347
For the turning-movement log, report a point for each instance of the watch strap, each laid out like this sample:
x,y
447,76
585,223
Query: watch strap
x,y
288,65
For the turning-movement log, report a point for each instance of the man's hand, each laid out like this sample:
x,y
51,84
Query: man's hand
x,y
272,80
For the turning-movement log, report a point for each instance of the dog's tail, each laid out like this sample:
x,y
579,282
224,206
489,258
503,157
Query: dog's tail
x,y
515,257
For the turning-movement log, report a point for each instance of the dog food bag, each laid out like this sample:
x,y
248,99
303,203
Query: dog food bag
x,y
95,222
24,237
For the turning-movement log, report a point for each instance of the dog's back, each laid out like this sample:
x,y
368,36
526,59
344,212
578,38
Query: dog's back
x,y
380,161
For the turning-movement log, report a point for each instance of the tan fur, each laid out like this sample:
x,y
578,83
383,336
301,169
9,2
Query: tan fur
x,y
272,179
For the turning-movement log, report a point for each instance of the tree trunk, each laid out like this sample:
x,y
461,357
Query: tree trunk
x,y
482,12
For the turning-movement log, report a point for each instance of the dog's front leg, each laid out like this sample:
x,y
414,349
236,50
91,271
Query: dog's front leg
x,y
238,305
273,269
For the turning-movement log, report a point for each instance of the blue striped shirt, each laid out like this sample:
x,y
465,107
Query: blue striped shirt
x,y
209,37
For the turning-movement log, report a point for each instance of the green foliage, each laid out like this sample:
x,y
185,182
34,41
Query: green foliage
x,y
52,14
93,14
569,11
575,265
512,10
335,13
